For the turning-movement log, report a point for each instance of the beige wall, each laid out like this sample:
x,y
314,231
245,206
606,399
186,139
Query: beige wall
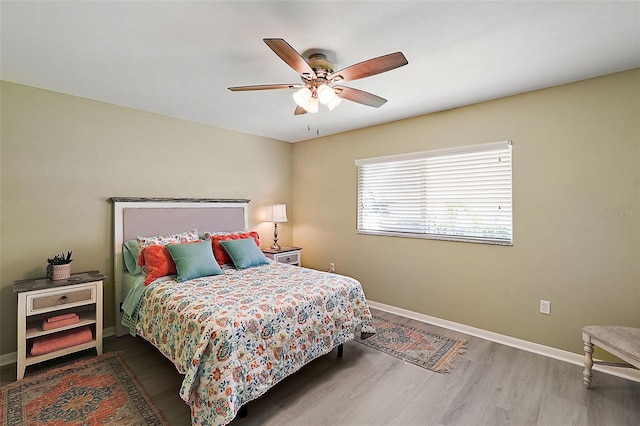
x,y
63,157
576,164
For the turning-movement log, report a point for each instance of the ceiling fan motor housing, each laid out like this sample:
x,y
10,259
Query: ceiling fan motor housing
x,y
320,65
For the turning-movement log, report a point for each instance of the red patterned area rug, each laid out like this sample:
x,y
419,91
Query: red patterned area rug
x,y
96,391
428,350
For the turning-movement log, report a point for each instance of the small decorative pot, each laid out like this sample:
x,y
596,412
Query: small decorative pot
x,y
60,272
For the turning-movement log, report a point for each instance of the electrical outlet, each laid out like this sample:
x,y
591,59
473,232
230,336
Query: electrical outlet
x,y
545,307
332,267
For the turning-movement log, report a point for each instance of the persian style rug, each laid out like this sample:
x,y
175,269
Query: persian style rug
x,y
96,391
428,350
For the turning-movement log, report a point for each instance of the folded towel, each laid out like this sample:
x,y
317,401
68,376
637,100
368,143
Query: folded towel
x,y
57,324
61,317
61,340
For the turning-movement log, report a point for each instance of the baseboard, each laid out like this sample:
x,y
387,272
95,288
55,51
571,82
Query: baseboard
x,y
548,351
12,357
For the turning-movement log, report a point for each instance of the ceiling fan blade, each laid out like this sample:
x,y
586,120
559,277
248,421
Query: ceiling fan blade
x,y
290,56
370,67
265,87
359,96
299,110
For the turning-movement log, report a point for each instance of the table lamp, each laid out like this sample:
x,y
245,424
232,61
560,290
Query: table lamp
x,y
276,213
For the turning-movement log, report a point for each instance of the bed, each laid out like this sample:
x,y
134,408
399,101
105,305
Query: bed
x,y
235,334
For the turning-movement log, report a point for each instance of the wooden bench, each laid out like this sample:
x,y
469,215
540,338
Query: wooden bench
x,y
623,342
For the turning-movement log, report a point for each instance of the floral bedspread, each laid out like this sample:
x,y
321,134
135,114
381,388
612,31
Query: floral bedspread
x,y
236,335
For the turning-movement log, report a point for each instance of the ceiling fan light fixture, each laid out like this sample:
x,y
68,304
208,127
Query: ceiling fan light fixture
x,y
325,94
334,102
302,97
312,105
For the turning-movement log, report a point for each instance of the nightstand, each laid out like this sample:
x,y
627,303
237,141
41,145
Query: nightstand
x,y
290,255
40,299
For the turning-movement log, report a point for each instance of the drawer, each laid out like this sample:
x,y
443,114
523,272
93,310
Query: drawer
x,y
293,258
60,298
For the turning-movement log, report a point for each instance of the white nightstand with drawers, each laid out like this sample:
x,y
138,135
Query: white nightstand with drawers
x,y
290,255
40,299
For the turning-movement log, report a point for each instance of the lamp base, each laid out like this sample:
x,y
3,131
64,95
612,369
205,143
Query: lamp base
x,y
275,245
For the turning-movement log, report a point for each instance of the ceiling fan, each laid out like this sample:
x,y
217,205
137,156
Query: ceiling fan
x,y
319,79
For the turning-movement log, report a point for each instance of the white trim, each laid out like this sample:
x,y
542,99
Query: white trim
x,y
548,351
10,358
436,237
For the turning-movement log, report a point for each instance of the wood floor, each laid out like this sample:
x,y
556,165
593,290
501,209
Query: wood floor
x,y
492,385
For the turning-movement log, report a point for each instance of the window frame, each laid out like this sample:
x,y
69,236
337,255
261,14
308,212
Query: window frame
x,y
502,147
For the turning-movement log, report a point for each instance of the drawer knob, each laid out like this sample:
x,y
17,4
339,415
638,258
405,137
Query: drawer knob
x,y
63,299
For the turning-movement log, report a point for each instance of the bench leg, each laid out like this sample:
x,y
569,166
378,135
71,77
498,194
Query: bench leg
x,y
588,361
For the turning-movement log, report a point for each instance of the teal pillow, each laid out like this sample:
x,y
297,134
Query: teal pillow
x,y
194,260
244,253
130,254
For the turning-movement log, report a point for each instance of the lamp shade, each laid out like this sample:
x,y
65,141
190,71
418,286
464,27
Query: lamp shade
x,y
302,96
312,105
276,213
334,102
325,94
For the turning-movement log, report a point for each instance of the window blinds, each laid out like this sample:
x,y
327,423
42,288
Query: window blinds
x,y
456,194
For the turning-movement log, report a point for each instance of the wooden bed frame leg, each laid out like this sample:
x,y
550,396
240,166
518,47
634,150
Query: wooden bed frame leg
x,y
243,412
340,350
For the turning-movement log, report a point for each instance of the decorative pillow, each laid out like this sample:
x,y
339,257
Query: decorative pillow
x,y
163,240
194,260
244,253
158,262
130,255
220,254
209,235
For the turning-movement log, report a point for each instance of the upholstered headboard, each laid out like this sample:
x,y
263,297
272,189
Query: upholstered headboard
x,y
141,217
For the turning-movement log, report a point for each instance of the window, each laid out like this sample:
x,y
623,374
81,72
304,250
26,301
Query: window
x,y
461,194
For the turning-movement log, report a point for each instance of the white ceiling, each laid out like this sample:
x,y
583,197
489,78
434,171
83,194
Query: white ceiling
x,y
177,58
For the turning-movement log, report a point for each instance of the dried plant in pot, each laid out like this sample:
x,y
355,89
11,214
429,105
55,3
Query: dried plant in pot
x,y
59,267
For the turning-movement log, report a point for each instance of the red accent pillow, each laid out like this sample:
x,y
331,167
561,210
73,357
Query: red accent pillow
x,y
160,240
159,263
220,253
